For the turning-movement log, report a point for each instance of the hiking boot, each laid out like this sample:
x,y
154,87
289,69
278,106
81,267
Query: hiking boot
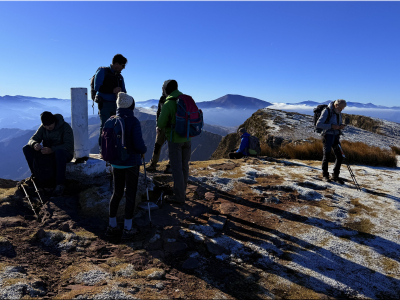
x,y
59,190
128,234
151,168
168,170
173,200
325,178
337,179
112,231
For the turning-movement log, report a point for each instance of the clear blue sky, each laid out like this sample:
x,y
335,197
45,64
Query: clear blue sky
x,y
274,51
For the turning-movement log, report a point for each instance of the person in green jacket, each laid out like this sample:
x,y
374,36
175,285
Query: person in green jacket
x,y
58,140
179,147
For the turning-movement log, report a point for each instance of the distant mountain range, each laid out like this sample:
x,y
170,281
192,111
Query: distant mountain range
x,y
349,104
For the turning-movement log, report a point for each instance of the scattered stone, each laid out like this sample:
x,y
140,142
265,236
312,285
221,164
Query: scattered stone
x,y
160,285
271,199
154,238
191,263
92,277
215,248
209,196
217,222
5,245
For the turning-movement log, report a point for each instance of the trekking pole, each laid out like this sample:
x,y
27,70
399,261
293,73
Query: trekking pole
x,y
29,200
147,190
37,191
350,170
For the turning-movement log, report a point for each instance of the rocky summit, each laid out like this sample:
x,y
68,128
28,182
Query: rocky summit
x,y
257,228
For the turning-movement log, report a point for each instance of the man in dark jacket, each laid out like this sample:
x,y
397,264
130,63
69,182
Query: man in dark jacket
x,y
126,173
58,140
160,139
330,122
244,145
108,82
179,148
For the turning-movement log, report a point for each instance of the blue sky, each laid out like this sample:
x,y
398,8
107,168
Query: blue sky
x,y
274,51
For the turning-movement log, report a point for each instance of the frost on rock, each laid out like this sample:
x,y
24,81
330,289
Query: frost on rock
x,y
203,229
65,241
92,277
20,288
128,271
113,293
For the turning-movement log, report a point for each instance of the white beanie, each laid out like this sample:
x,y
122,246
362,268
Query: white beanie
x,y
124,100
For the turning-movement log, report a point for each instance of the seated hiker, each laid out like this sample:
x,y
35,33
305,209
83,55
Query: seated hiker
x,y
58,144
244,145
126,171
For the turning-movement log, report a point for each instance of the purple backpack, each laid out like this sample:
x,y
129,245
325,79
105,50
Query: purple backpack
x,y
113,148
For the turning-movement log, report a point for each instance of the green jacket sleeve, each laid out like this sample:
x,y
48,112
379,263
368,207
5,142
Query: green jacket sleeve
x,y
37,137
164,116
68,140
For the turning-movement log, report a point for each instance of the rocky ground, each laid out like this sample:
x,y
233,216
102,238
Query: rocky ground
x,y
250,229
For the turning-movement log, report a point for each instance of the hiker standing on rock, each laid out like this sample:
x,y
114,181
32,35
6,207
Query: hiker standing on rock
x,y
108,82
57,150
330,122
160,138
126,172
179,147
244,145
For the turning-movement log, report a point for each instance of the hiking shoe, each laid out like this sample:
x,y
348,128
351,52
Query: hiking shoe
x,y
326,178
59,190
112,231
128,234
338,179
151,168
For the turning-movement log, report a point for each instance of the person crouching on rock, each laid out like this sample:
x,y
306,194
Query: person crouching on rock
x,y
58,146
244,145
330,122
126,172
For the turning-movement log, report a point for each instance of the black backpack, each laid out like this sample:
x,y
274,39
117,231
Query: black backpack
x,y
93,92
44,170
317,114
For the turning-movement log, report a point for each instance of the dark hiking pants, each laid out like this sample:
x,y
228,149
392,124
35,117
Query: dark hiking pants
x,y
160,140
106,110
331,141
235,155
61,158
179,157
124,178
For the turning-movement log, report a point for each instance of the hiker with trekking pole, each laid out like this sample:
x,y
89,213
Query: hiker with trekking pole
x,y
328,122
123,147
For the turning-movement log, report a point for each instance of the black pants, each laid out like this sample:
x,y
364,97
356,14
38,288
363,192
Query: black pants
x,y
61,158
331,141
124,178
235,155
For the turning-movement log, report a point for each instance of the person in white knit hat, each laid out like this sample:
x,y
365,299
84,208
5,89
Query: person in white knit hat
x,y
126,173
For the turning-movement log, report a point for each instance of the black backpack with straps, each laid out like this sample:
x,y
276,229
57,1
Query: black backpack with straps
x,y
317,114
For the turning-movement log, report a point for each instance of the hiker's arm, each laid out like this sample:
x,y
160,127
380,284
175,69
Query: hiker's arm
x,y
68,140
321,121
37,138
242,146
123,89
164,117
138,145
98,80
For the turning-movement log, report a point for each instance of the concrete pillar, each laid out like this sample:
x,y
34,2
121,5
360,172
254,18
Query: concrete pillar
x,y
79,120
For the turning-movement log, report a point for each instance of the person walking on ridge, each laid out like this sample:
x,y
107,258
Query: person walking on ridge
x,y
330,122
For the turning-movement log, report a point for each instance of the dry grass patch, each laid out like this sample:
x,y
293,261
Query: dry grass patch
x,y
359,207
389,265
396,150
356,152
323,205
4,193
362,226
